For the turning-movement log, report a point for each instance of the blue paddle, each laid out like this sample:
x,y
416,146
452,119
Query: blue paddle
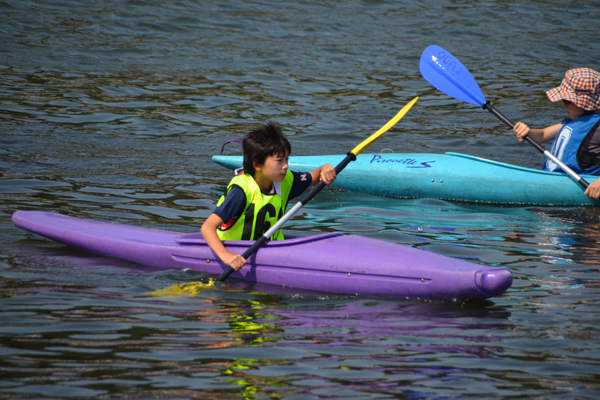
x,y
448,75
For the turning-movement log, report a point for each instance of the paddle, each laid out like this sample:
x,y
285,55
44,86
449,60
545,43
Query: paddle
x,y
317,188
448,75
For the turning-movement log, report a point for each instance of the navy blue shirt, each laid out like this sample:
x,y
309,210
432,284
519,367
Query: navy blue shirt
x,y
235,201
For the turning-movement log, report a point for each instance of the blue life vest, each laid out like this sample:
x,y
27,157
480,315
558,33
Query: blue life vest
x,y
568,141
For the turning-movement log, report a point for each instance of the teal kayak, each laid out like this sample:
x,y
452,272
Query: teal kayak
x,y
449,176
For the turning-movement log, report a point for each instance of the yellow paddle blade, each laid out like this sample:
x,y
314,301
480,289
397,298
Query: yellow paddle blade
x,y
183,289
358,149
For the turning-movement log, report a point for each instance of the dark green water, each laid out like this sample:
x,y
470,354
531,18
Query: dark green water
x,y
113,110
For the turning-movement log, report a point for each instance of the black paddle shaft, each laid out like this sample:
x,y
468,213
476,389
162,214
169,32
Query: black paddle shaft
x,y
313,192
501,117
316,189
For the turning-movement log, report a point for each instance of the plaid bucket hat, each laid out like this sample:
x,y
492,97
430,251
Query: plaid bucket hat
x,y
580,86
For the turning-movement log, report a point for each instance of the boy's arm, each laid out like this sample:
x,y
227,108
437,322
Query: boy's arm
x,y
325,173
539,135
209,232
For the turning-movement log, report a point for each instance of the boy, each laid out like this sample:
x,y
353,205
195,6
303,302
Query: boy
x,y
257,198
577,138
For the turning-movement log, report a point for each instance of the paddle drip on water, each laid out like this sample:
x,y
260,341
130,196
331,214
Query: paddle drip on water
x,y
190,289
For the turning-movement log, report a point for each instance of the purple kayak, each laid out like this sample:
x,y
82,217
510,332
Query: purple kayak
x,y
331,262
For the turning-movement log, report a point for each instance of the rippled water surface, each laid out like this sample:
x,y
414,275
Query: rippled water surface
x,y
113,109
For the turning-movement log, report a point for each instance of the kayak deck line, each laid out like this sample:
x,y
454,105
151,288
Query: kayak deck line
x,y
500,164
337,274
327,263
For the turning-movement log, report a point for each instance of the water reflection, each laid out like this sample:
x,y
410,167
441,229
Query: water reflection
x,y
93,331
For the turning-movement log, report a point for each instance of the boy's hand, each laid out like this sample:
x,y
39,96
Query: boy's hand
x,y
521,130
328,174
209,232
235,261
593,190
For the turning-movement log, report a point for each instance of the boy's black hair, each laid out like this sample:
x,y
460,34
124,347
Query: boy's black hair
x,y
262,142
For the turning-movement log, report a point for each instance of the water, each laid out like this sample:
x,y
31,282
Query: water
x,y
113,109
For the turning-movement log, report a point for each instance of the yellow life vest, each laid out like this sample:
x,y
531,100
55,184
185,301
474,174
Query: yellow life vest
x,y
260,212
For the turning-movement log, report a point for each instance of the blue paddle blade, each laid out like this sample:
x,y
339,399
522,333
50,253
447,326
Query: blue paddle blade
x,y
448,75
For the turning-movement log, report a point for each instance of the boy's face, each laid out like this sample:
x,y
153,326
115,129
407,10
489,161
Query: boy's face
x,y
573,111
274,168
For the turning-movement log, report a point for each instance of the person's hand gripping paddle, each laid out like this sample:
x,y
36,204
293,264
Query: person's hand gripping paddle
x,y
448,75
317,188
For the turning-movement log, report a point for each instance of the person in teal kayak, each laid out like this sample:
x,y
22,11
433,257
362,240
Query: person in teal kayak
x,y
577,138
256,199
